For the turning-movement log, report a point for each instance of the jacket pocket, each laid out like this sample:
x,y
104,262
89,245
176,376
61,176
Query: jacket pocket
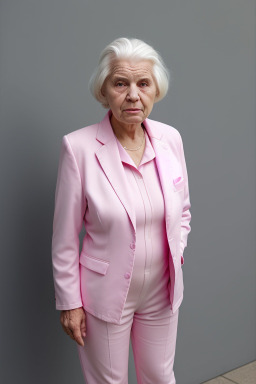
x,y
178,186
96,265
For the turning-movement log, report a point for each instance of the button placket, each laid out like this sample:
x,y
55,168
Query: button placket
x,y
132,246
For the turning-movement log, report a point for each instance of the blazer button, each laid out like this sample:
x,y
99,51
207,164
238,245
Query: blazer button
x,y
127,275
132,246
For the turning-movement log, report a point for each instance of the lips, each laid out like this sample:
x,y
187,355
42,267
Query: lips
x,y
133,109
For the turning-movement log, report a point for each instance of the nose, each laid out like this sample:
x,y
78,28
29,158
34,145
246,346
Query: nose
x,y
133,93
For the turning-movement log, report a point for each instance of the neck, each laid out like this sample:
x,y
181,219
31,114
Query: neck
x,y
132,132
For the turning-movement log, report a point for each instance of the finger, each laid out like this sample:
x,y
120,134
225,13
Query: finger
x,y
68,332
78,337
83,326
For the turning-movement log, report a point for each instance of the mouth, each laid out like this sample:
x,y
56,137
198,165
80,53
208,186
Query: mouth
x,y
132,110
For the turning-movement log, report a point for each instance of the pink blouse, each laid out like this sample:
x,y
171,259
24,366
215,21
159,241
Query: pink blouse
x,y
151,254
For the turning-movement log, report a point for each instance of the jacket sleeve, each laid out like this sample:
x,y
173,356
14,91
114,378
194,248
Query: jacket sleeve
x,y
186,215
70,205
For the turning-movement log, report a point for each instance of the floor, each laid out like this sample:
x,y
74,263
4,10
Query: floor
x,y
243,375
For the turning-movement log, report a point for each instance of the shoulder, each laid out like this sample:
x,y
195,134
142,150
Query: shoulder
x,y
81,140
164,131
82,135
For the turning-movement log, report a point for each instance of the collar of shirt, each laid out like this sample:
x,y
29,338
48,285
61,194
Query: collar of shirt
x,y
148,155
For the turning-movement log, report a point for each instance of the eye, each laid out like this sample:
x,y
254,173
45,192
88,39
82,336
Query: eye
x,y
143,84
120,84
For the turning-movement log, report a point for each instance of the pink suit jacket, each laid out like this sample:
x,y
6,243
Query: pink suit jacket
x,y
92,188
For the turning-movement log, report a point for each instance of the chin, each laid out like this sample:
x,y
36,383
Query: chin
x,y
134,119
138,121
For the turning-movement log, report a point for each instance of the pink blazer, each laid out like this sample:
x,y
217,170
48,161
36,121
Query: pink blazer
x,y
92,188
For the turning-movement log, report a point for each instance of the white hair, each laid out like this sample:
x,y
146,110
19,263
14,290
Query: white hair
x,y
127,48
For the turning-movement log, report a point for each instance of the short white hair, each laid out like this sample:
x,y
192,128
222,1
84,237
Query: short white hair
x,y
128,48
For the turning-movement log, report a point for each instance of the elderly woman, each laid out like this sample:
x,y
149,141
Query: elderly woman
x,y
125,178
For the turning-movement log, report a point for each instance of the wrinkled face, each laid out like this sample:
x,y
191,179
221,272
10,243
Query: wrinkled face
x,y
130,90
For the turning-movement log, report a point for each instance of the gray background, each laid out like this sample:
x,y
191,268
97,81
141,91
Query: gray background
x,y
48,51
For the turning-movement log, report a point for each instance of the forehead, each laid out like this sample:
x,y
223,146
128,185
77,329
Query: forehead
x,y
132,68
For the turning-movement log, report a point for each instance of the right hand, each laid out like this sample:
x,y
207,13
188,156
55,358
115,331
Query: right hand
x,y
73,322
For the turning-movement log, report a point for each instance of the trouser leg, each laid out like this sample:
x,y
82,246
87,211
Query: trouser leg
x,y
153,341
105,355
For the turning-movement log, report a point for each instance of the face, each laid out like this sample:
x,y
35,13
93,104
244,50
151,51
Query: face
x,y
130,91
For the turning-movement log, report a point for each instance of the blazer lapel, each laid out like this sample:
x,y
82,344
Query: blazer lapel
x,y
166,165
109,159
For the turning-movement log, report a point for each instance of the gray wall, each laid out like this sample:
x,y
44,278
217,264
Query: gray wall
x,y
48,51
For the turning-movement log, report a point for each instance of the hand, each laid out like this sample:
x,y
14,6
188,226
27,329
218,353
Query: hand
x,y
73,322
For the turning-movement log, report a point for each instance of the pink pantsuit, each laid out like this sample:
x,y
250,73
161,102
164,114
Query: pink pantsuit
x,y
128,276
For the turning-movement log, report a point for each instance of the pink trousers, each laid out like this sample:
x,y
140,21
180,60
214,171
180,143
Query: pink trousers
x,y
148,320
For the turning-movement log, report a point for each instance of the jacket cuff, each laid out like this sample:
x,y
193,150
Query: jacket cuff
x,y
66,307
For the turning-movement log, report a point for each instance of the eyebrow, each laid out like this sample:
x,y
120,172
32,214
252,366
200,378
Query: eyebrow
x,y
123,78
116,77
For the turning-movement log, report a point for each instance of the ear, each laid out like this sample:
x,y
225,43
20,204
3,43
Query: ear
x,y
157,91
102,91
103,95
157,94
103,100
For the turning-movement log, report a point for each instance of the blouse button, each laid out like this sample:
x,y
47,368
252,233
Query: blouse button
x,y
132,246
127,275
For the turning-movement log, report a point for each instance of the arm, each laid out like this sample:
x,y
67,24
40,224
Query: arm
x,y
70,205
186,215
